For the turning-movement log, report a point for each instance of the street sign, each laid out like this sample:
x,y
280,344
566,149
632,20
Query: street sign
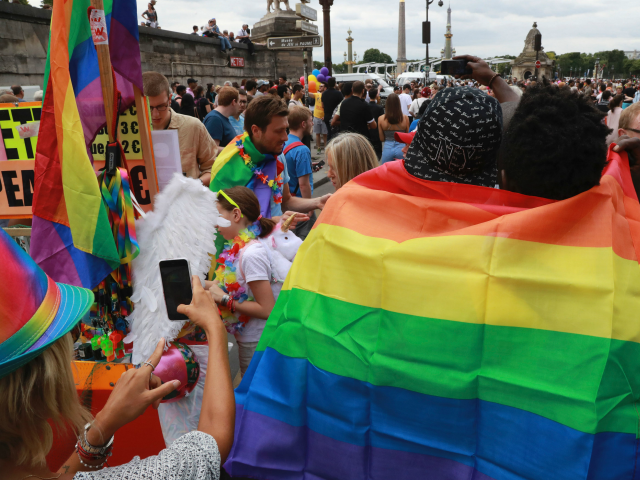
x,y
311,41
236,62
306,12
538,64
306,26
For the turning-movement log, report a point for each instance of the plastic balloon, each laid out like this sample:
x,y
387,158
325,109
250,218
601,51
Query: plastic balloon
x,y
313,87
316,72
324,71
302,81
178,363
312,78
322,78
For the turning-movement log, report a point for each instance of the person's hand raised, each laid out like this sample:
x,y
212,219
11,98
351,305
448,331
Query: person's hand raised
x,y
136,390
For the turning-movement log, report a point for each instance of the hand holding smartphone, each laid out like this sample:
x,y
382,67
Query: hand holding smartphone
x,y
176,285
455,67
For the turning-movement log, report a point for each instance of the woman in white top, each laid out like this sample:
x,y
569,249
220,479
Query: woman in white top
x,y
613,117
245,264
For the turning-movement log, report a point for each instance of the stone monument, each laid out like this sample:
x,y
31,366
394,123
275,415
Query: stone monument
x,y
525,65
278,22
401,62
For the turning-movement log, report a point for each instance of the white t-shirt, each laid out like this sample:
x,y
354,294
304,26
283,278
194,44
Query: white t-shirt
x,y
255,266
415,106
405,103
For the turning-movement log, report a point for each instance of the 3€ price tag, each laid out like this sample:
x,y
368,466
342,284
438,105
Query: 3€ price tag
x,y
98,24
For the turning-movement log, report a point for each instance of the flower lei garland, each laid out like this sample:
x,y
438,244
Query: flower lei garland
x,y
227,279
275,185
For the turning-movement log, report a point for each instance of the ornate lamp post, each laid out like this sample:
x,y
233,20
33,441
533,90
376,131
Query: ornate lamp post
x,y
596,69
326,15
426,31
350,63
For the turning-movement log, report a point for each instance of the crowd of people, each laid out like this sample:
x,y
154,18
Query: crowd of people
x,y
503,122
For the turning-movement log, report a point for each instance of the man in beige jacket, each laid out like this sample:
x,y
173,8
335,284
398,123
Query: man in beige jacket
x,y
197,149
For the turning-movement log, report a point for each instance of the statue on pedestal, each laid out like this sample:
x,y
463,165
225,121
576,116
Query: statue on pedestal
x,y
276,5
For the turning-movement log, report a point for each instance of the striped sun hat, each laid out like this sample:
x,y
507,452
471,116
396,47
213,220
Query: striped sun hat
x,y
35,311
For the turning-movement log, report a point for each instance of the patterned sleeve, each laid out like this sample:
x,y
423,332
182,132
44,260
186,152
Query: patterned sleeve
x,y
193,456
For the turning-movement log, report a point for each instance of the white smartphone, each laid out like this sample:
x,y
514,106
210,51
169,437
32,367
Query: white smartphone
x,y
176,285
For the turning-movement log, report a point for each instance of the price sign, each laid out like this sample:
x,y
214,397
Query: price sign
x,y
128,134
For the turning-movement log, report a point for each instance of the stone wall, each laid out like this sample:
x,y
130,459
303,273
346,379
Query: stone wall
x,y
24,36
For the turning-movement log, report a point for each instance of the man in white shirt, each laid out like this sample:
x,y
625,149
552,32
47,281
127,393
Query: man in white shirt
x,y
405,99
243,36
298,93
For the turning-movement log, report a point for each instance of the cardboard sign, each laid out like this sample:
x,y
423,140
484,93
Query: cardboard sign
x,y
17,182
98,24
11,119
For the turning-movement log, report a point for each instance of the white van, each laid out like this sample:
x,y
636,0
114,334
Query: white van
x,y
377,80
408,77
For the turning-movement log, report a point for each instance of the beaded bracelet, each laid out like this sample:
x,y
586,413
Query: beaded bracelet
x,y
89,457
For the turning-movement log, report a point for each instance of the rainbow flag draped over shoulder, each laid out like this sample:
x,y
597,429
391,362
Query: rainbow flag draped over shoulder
x,y
445,331
241,164
71,239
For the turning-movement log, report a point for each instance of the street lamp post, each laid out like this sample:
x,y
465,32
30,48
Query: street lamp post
x,y
596,69
426,33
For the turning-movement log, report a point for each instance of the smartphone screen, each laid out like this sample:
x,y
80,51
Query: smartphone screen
x,y
454,67
176,284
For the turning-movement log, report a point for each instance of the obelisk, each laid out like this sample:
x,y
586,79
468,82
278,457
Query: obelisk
x,y
448,50
402,42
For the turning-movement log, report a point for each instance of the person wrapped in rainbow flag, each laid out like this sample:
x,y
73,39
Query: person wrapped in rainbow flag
x,y
433,326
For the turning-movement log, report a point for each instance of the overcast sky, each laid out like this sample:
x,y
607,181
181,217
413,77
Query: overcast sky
x,y
480,27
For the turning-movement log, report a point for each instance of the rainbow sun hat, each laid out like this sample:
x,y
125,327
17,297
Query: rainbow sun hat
x,y
35,311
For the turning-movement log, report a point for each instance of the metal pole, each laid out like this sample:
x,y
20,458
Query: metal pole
x,y
426,67
306,77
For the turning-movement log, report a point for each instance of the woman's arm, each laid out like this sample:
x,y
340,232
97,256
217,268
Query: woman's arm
x,y
380,130
260,308
217,414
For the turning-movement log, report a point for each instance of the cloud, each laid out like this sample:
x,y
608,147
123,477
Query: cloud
x,y
484,28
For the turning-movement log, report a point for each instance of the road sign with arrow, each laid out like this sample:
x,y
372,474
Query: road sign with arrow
x,y
311,41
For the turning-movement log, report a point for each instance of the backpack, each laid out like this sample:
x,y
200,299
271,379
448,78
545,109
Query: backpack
x,y
287,150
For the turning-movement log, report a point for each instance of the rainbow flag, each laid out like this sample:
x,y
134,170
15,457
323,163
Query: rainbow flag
x,y
445,331
71,238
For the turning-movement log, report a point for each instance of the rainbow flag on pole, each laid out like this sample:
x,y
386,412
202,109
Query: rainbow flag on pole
x,y
71,239
431,330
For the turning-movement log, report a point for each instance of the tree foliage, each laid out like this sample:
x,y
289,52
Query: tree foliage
x,y
614,63
376,56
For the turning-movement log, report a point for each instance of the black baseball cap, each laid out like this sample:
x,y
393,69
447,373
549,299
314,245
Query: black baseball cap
x,y
192,80
458,139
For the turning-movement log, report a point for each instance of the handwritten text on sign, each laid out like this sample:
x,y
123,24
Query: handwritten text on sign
x,y
98,24
17,180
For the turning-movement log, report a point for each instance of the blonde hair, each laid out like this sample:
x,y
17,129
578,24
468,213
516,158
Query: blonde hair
x,y
628,115
41,390
350,154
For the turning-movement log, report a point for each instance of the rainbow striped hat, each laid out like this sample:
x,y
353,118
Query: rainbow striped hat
x,y
35,311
